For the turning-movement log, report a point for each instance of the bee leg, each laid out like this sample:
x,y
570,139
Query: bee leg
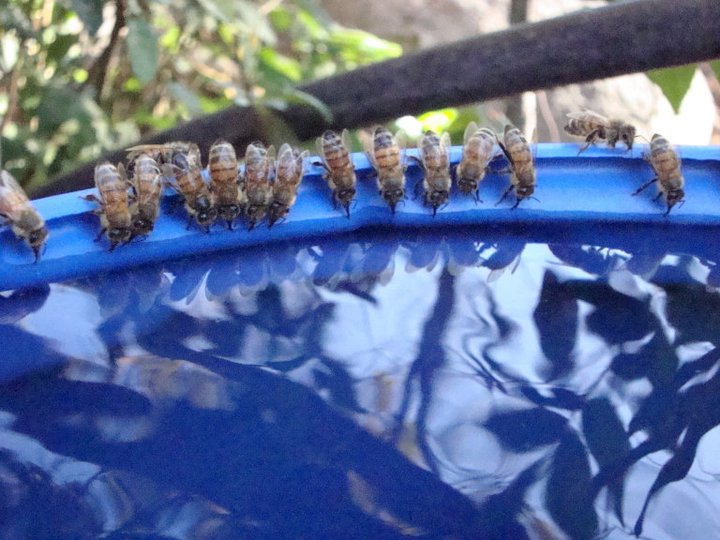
x,y
347,209
416,191
36,251
91,198
417,161
590,139
507,154
505,194
656,199
230,224
100,235
334,199
477,196
189,223
517,203
645,186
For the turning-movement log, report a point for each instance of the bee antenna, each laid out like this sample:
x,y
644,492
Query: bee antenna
x,y
639,136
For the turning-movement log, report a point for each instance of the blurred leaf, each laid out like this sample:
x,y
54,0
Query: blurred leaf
x,y
525,430
568,496
223,10
256,21
293,96
362,47
185,96
288,67
715,65
9,47
57,106
90,13
674,82
142,48
57,50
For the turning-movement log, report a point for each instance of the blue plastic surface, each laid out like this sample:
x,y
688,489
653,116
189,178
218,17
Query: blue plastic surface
x,y
594,188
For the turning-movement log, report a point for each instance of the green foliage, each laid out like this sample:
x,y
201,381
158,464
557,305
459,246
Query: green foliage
x,y
715,65
76,80
674,82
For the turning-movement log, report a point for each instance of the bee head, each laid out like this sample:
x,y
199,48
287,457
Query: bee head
x,y
674,196
437,198
523,192
346,195
142,226
467,185
627,135
206,216
229,212
36,240
118,235
276,212
393,196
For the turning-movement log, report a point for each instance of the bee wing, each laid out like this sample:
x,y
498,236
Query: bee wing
x,y
301,162
470,129
321,150
12,196
346,140
587,114
401,141
368,146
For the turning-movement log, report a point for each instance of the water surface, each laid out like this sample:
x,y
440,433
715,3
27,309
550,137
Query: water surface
x,y
479,383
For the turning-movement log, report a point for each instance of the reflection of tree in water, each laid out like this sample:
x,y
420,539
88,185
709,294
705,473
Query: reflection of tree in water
x,y
523,380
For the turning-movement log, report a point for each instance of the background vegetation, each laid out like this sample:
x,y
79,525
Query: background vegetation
x,y
81,77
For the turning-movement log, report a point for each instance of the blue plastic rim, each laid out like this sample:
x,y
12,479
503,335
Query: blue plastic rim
x,y
593,188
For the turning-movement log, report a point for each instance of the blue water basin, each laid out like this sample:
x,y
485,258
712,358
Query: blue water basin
x,y
511,380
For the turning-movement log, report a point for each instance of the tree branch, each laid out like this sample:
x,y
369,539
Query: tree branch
x,y
593,44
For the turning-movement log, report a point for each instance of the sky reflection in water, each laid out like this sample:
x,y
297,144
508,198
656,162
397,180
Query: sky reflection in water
x,y
371,385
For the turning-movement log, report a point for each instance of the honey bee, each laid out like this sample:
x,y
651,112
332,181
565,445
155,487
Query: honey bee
x,y
594,126
478,152
163,153
115,219
185,177
224,181
256,181
666,163
386,157
25,221
147,184
339,168
518,153
288,174
435,154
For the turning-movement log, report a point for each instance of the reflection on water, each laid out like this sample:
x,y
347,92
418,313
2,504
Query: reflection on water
x,y
422,384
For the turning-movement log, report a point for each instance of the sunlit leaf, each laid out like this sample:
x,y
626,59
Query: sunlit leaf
x,y
288,67
293,96
437,121
674,82
90,13
142,46
363,47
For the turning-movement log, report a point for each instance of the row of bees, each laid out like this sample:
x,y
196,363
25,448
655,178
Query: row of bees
x,y
266,187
